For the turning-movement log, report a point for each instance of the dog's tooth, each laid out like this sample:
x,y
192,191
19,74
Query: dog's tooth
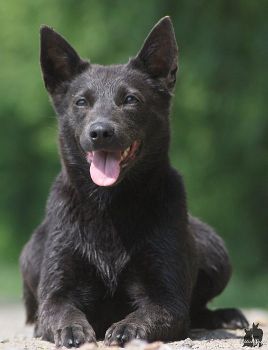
x,y
125,153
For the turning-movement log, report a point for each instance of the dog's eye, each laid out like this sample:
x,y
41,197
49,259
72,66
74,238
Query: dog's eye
x,y
130,99
81,102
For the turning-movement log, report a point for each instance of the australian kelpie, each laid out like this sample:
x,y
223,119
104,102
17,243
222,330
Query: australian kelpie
x,y
117,255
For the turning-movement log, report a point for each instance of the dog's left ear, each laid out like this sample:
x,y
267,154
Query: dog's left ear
x,y
159,53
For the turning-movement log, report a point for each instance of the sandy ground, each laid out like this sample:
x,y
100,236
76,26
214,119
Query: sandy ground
x,y
15,336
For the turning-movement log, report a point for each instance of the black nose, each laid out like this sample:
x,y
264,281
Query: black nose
x,y
101,132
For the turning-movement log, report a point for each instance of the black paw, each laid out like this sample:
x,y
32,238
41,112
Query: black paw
x,y
221,318
122,332
230,319
74,336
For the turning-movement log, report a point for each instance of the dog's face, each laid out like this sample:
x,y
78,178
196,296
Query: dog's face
x,y
116,116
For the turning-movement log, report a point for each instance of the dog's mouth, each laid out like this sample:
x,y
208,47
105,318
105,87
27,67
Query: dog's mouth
x,y
105,166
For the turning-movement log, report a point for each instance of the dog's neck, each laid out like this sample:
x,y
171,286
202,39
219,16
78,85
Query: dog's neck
x,y
75,173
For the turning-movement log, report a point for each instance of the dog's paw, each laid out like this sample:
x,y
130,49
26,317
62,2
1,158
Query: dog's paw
x,y
122,332
74,336
230,319
220,318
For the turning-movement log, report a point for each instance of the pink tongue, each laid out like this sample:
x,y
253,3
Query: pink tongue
x,y
105,167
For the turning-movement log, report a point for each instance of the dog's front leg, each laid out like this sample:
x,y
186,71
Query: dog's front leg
x,y
61,318
160,288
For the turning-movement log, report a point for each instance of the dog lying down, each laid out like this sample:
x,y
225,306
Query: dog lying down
x,y
117,255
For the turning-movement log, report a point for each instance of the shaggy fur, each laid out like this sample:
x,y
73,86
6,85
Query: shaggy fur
x,y
126,260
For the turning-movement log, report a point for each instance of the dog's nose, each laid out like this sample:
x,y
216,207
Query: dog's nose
x,y
101,132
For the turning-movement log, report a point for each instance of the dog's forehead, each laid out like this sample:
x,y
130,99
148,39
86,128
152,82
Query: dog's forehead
x,y
108,79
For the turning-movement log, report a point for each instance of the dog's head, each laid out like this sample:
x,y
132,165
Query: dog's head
x,y
112,117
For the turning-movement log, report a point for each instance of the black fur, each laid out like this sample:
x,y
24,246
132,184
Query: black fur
x,y
126,260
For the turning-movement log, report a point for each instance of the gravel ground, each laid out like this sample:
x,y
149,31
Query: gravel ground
x,y
15,336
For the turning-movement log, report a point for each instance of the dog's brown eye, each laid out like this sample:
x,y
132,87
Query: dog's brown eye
x,y
130,99
81,102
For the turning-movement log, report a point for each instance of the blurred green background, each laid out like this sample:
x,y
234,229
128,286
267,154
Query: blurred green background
x,y
219,118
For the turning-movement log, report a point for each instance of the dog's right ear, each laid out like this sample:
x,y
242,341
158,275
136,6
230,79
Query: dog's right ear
x,y
59,61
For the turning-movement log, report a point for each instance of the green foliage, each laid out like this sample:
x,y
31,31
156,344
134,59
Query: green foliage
x,y
10,283
219,115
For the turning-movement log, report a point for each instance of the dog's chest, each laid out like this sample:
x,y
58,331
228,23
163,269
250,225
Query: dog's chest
x,y
109,257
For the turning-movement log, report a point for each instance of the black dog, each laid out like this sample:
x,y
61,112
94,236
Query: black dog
x,y
117,251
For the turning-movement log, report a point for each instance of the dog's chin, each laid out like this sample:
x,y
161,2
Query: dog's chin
x,y
107,166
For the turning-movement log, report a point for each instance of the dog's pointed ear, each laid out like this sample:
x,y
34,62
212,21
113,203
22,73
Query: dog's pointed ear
x,y
159,53
59,61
